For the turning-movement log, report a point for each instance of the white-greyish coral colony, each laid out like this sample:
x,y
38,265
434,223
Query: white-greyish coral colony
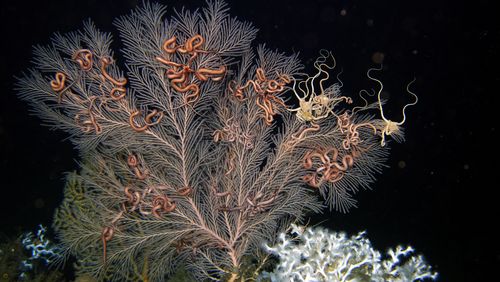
x,y
317,254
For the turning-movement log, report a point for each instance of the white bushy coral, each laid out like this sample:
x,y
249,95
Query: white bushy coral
x,y
316,254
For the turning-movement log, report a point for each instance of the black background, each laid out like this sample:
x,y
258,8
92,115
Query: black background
x,y
438,194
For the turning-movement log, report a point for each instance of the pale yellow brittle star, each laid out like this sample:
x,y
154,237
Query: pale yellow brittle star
x,y
387,126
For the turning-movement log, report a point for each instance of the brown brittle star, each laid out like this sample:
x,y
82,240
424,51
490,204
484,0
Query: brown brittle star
x,y
58,84
84,58
133,163
90,123
118,91
162,204
106,236
329,169
179,74
153,118
266,90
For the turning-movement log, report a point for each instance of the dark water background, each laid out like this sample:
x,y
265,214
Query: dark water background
x,y
434,195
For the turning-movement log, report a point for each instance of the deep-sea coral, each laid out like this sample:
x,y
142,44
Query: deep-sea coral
x,y
192,153
316,254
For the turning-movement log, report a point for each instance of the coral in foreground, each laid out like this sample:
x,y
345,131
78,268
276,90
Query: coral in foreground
x,y
317,254
192,149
